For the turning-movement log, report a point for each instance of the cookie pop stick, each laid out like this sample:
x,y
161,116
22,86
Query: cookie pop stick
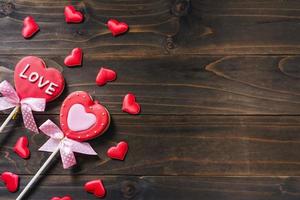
x,y
35,85
81,119
10,116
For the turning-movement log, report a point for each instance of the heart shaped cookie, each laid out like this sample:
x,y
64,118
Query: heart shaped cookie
x,y
81,118
21,147
75,58
30,27
116,27
72,15
118,152
105,75
96,187
130,105
61,198
11,181
33,79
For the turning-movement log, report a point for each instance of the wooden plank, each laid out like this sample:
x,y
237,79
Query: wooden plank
x,y
150,24
240,27
176,145
166,188
156,28
198,85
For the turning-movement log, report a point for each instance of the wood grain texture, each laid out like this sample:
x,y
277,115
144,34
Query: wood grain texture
x,y
218,82
240,27
150,24
232,85
177,145
203,27
168,188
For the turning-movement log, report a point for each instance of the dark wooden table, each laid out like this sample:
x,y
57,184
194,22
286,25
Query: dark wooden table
x,y
219,85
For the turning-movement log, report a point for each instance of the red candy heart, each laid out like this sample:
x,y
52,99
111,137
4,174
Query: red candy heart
x,y
130,105
72,16
75,58
33,79
61,198
81,118
116,27
96,187
105,75
118,152
11,181
21,147
30,27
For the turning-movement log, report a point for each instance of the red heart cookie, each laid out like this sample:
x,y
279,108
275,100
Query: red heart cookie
x,y
21,147
11,181
72,16
118,152
33,79
75,58
30,27
105,75
130,105
61,198
96,187
81,118
116,27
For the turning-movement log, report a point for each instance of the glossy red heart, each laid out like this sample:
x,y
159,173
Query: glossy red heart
x,y
30,27
81,118
130,105
75,58
72,16
61,198
119,152
11,181
116,27
21,147
105,75
33,79
96,187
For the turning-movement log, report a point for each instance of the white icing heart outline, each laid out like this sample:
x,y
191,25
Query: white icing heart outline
x,y
78,119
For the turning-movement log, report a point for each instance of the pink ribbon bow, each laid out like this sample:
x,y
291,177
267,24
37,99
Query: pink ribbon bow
x,y
11,99
66,146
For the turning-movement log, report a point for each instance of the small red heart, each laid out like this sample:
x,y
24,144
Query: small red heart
x,y
105,75
72,15
11,181
96,187
21,147
118,152
130,105
75,58
116,27
61,198
33,79
30,27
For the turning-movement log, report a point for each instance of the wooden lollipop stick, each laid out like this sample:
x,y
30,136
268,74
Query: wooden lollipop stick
x,y
32,181
10,116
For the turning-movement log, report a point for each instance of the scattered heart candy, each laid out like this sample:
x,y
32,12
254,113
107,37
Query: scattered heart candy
x,y
130,105
105,75
118,152
30,27
75,58
21,147
72,15
96,187
61,198
81,118
116,27
11,181
33,79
